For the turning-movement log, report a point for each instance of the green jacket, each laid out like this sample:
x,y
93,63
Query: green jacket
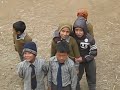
x,y
90,28
74,51
19,44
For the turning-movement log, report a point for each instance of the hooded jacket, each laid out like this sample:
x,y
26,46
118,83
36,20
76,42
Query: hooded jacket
x,y
73,47
81,23
89,27
86,43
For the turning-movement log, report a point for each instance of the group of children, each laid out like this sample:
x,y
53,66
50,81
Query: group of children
x,y
73,50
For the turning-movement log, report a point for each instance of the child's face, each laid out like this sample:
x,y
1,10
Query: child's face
x,y
65,32
79,32
28,56
16,32
61,57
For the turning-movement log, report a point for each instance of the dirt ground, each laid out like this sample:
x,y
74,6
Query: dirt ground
x,y
42,17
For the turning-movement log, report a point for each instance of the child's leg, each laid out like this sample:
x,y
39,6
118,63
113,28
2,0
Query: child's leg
x,y
80,74
90,69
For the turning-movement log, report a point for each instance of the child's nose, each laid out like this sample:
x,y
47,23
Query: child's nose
x,y
61,58
65,33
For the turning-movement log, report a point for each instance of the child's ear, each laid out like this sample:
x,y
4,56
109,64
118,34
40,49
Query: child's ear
x,y
18,32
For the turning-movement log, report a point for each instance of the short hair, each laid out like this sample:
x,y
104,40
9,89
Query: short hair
x,y
62,47
19,26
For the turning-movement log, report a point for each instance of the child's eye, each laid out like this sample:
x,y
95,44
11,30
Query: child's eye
x,y
67,31
63,31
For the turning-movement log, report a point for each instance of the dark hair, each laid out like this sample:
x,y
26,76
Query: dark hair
x,y
62,47
19,26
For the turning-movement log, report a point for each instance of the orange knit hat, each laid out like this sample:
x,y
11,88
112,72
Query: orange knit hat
x,y
83,13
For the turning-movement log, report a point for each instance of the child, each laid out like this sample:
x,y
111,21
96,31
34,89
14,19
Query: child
x,y
32,69
63,33
88,51
20,37
83,14
62,74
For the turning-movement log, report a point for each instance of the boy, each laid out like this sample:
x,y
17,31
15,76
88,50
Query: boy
x,y
83,14
20,37
63,33
32,69
88,51
62,74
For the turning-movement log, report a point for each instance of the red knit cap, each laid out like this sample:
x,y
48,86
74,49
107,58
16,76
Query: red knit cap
x,y
82,12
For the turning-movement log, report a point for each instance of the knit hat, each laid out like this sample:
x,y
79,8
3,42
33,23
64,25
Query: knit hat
x,y
63,25
82,12
80,23
30,47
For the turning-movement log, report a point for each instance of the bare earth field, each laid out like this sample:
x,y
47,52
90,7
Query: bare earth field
x,y
42,17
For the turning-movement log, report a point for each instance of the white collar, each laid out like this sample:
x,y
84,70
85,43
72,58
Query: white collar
x,y
22,36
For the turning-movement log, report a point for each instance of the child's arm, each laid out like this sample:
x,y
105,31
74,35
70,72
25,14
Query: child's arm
x,y
53,48
15,47
49,88
75,49
92,53
49,76
14,41
90,28
45,67
20,70
73,78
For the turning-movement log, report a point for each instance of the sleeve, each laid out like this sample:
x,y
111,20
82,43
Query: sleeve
x,y
14,42
13,37
53,48
20,70
49,78
93,51
45,67
90,29
75,49
56,34
73,78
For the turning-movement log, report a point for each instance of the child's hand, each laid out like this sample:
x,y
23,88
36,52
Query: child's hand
x,y
49,88
78,59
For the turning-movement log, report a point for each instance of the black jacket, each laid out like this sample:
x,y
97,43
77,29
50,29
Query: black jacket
x,y
86,43
87,47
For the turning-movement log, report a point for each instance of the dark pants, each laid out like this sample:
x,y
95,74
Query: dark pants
x,y
90,69
54,87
